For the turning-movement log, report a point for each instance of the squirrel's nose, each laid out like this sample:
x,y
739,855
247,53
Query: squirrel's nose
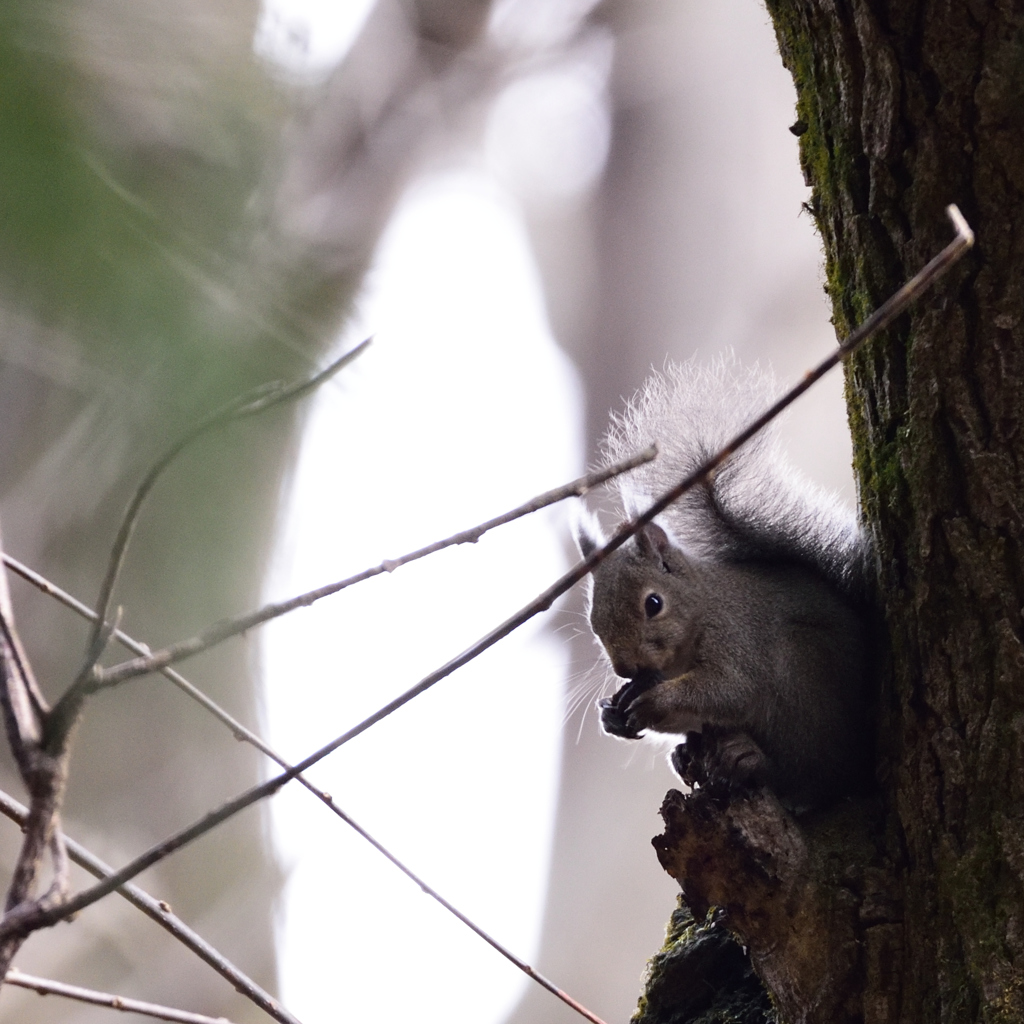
x,y
623,669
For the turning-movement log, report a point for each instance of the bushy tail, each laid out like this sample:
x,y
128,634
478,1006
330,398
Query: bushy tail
x,y
757,508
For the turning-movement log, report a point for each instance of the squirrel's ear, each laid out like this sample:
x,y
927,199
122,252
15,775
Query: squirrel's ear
x,y
587,533
652,539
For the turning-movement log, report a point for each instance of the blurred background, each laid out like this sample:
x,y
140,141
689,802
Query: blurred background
x,y
528,203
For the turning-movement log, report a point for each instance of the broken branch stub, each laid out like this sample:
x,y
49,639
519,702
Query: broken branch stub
x,y
799,895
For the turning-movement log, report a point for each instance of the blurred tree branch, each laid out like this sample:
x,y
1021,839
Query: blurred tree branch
x,y
175,228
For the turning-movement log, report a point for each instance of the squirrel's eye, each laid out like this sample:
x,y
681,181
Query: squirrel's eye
x,y
653,604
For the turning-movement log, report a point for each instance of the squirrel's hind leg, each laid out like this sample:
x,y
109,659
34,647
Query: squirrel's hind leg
x,y
719,758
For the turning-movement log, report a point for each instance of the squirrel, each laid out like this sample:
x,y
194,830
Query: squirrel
x,y
742,620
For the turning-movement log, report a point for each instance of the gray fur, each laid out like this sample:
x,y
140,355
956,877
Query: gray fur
x,y
746,613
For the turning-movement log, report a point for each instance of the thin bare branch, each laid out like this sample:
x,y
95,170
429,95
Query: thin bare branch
x,y
46,785
25,716
39,738
45,987
434,894
239,731
161,913
23,705
884,315
17,813
61,884
62,719
220,631
252,402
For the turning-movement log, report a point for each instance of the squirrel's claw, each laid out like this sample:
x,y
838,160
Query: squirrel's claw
x,y
615,717
614,722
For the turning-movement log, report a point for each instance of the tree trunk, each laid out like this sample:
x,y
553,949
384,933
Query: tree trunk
x,y
911,910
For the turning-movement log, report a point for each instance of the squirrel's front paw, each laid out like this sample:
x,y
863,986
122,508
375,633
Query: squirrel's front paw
x,y
615,717
613,721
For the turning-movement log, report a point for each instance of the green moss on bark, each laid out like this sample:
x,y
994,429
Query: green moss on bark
x,y
701,976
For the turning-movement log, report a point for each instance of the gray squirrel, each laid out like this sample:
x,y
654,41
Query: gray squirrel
x,y
742,621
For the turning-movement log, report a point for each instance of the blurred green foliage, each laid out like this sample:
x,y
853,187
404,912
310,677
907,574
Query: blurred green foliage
x,y
130,204
140,286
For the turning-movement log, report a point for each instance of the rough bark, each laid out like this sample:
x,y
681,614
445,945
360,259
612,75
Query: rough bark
x,y
810,905
914,914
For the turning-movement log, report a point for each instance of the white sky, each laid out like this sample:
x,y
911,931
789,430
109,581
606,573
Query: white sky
x,y
462,408
309,36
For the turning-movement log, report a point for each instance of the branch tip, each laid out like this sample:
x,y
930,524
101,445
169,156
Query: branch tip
x,y
963,229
